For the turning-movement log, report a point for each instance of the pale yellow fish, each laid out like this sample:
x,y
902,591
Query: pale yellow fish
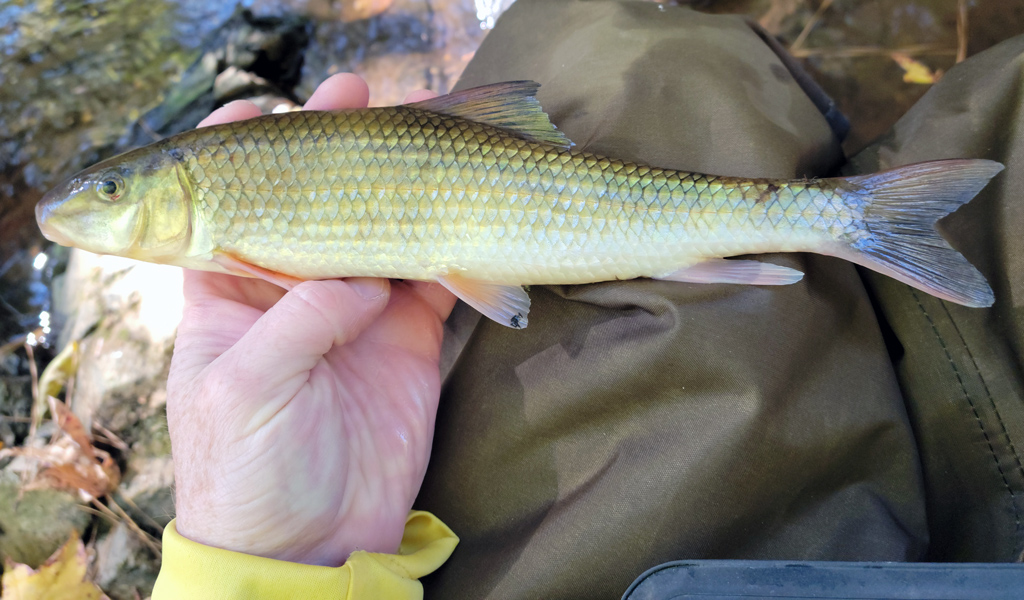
x,y
479,191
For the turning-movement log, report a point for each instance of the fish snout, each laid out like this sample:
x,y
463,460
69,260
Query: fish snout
x,y
45,220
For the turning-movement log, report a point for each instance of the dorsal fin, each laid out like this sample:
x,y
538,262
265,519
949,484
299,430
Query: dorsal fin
x,y
510,105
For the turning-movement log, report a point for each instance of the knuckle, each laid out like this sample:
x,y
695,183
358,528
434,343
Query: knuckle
x,y
316,299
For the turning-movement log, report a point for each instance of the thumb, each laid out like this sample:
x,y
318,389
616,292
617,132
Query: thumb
x,y
284,344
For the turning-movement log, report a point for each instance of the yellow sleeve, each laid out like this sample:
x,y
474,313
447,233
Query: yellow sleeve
x,y
192,570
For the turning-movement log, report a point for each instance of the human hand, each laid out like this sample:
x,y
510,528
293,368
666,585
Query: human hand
x,y
301,422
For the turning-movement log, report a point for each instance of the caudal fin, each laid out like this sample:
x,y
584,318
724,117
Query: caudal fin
x,y
902,206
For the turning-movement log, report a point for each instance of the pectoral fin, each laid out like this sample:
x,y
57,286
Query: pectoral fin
x,y
238,266
750,272
508,305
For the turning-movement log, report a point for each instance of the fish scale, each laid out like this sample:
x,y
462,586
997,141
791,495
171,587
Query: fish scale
x,y
479,191
412,195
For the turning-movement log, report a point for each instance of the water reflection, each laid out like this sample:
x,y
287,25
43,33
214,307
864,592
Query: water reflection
x,y
488,11
75,72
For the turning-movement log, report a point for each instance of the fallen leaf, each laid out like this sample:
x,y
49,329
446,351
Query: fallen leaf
x,y
53,380
64,465
357,10
778,11
61,577
70,425
915,71
55,376
90,478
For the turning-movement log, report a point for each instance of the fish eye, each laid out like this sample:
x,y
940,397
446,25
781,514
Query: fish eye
x,y
111,186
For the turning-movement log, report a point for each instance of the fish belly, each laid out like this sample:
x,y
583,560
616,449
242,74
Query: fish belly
x,y
408,194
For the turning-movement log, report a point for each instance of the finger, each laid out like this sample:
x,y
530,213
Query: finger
x,y
344,90
419,95
277,353
219,309
204,286
238,110
436,296
413,319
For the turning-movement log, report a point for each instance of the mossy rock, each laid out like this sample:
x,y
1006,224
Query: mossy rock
x,y
33,524
125,567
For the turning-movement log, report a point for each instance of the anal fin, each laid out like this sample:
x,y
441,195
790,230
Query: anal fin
x,y
749,272
507,305
238,266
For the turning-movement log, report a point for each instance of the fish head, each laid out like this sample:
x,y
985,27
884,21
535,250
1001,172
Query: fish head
x,y
136,205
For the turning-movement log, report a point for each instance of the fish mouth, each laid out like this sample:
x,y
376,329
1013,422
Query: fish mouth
x,y
45,219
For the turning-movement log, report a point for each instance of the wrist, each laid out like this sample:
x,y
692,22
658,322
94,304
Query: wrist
x,y
280,534
268,541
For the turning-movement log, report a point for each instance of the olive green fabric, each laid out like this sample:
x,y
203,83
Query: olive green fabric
x,y
638,422
960,368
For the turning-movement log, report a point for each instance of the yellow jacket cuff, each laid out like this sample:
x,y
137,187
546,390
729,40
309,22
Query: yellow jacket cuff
x,y
192,570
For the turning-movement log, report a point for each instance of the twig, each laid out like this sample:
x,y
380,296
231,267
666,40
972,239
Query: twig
x,y
149,130
94,512
136,508
115,518
13,311
9,263
800,39
13,345
34,372
961,30
151,542
69,390
110,437
102,511
858,51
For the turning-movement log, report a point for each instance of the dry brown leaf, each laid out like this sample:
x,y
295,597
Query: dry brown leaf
x,y
86,475
356,10
777,12
89,478
69,424
915,71
64,465
61,577
29,459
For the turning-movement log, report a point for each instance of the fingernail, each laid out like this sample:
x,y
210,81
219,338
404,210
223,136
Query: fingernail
x,y
368,288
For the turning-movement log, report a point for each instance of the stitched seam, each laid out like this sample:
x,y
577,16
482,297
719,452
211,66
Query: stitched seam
x,y
977,417
999,418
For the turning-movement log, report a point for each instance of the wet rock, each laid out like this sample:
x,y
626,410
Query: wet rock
x,y
270,49
35,523
234,83
125,568
147,491
124,314
413,45
15,405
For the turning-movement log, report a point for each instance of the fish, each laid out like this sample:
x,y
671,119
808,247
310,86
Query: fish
x,y
479,191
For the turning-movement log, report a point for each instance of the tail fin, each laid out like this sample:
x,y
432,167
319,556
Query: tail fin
x,y
900,212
